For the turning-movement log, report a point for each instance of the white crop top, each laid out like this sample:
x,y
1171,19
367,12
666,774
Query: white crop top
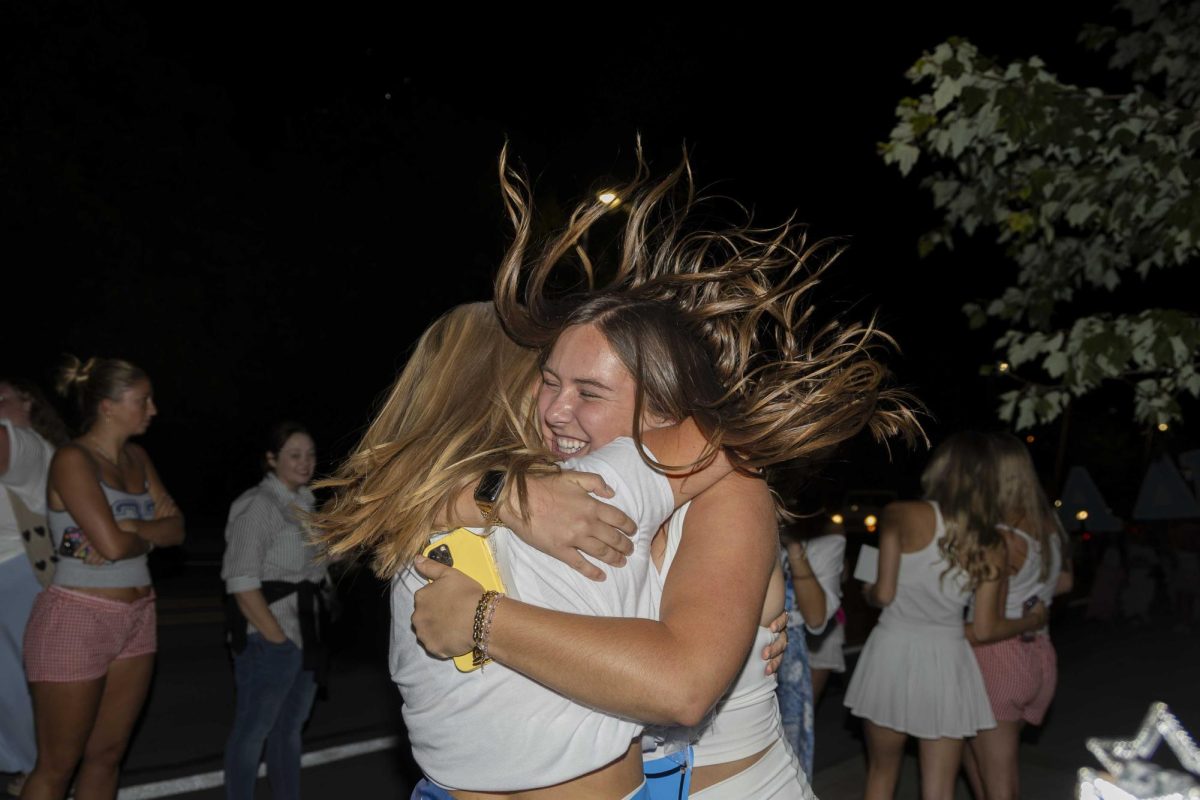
x,y
746,720
494,729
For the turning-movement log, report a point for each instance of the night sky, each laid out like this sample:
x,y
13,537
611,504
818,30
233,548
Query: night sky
x,y
264,209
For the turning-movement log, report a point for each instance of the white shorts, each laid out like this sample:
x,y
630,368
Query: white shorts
x,y
775,776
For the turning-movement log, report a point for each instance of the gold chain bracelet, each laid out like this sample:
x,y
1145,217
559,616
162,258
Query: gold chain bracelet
x,y
481,630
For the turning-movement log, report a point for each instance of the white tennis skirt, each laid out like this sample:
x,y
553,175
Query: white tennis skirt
x,y
920,680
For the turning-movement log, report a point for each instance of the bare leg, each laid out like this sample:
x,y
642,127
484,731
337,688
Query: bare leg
x,y
940,760
820,677
996,750
63,714
885,753
124,694
971,767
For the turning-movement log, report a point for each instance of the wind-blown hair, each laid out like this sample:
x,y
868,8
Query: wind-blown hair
x,y
777,386
961,479
1020,499
463,404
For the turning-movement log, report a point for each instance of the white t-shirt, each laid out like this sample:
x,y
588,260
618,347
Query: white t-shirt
x,y
494,729
28,467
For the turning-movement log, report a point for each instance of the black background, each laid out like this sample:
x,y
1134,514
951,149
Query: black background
x,y
264,206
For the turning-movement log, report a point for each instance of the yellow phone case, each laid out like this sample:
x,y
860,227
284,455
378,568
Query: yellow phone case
x,y
470,554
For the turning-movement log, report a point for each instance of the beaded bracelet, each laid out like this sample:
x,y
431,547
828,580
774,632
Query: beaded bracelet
x,y
485,612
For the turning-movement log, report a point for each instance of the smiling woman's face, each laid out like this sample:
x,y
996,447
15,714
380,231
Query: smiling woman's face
x,y
587,395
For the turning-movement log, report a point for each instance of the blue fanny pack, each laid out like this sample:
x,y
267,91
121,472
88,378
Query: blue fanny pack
x,y
669,777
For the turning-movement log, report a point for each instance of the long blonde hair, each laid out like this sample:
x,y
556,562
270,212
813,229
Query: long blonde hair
x,y
788,388
463,404
961,479
1021,501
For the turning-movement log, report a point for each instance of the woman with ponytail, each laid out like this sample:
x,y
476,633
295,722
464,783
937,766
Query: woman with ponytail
x,y
90,643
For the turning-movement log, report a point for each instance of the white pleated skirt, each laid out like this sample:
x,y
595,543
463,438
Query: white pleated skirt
x,y
921,680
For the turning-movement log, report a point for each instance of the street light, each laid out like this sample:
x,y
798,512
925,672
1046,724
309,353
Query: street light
x,y
1162,427
1081,515
837,519
1003,366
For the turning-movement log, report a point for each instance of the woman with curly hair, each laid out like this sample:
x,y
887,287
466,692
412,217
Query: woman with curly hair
x,y
916,675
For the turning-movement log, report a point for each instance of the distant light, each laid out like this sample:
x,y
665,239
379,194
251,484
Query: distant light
x,y
1081,515
387,96
837,519
1162,426
870,520
870,529
609,198
1030,439
1058,503
854,507
1087,537
1004,366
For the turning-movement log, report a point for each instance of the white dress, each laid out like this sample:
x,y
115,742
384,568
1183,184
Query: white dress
x,y
916,673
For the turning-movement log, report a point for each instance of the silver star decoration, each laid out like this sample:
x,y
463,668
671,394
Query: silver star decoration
x,y
1131,776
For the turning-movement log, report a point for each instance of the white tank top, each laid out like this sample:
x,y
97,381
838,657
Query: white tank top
x,y
746,720
1027,583
927,595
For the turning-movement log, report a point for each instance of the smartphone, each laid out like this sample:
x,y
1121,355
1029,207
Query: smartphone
x,y
470,554
1026,607
73,542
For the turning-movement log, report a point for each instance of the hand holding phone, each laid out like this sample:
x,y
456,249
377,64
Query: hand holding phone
x,y
470,554
1027,607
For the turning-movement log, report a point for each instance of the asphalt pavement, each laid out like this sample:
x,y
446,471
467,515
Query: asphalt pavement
x,y
1109,675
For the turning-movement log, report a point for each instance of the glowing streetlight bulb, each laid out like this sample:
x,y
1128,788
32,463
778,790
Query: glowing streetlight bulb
x,y
1162,427
1003,366
1058,503
608,198
837,519
1081,515
1030,439
870,520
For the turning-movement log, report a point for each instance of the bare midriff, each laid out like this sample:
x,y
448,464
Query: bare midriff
x,y
712,774
123,594
615,779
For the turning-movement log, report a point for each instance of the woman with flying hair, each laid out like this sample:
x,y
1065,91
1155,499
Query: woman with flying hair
x,y
701,328
916,675
1019,666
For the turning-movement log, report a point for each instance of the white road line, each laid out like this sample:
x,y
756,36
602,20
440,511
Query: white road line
x,y
208,780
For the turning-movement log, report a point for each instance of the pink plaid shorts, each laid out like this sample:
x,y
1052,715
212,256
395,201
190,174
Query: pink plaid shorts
x,y
72,636
1020,677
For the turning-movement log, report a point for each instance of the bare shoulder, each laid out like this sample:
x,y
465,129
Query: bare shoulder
x,y
913,520
909,514
71,457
